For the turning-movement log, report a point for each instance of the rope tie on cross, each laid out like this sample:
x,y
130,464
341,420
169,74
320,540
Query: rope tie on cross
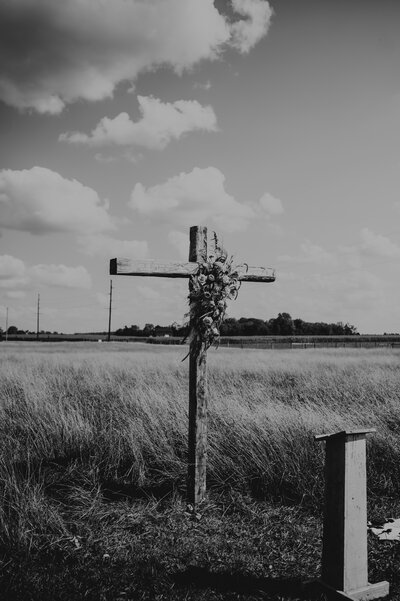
x,y
212,281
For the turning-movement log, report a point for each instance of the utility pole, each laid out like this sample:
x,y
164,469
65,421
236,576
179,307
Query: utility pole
x,y
37,317
109,314
6,324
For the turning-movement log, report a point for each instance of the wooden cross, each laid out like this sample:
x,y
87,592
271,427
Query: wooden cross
x,y
197,456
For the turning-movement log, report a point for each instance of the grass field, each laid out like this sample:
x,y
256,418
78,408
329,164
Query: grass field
x,y
93,467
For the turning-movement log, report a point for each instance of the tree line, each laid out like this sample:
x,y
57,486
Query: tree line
x,y
282,325
14,331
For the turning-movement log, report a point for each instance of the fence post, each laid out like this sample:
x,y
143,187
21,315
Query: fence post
x,y
344,549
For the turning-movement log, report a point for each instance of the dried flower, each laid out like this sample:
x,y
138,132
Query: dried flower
x,y
218,266
214,281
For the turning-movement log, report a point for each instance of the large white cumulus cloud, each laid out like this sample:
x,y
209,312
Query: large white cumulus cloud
x,y
378,245
41,201
160,123
248,31
194,197
55,52
104,246
16,276
62,276
12,272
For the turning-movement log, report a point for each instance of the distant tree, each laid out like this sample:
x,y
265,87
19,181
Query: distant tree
x,y
132,330
282,325
12,330
174,328
163,331
181,331
350,330
252,327
229,327
299,326
148,329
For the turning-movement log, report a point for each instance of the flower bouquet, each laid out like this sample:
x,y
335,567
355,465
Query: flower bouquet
x,y
215,282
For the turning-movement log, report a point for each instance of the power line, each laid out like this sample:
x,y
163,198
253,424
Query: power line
x,y
109,314
37,317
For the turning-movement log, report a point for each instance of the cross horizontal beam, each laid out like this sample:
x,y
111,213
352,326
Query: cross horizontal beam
x,y
182,270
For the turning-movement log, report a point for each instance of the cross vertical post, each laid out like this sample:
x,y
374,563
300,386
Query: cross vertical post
x,y
198,393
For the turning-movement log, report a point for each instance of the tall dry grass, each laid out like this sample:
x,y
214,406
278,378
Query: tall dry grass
x,y
78,422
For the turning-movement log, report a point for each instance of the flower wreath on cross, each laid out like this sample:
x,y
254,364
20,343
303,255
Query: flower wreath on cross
x,y
215,282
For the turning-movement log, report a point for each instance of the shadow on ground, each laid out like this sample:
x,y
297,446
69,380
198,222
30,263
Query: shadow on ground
x,y
291,588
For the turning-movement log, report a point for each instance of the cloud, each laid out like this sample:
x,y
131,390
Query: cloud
x,y
354,289
101,158
271,205
111,247
357,296
195,197
53,53
348,262
202,86
15,274
12,272
160,123
344,283
346,259
181,242
378,245
61,275
310,253
370,245
10,267
247,32
41,201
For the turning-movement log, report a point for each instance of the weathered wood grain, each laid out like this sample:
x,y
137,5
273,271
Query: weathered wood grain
x,y
198,394
152,268
177,269
344,549
257,274
197,439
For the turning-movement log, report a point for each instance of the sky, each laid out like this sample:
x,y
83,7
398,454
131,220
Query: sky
x,y
275,124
